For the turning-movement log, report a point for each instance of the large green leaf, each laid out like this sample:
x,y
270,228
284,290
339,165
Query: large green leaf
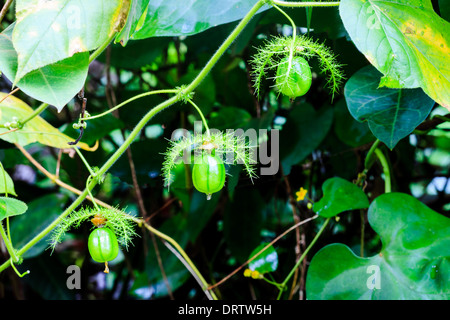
x,y
392,114
168,18
340,195
55,84
414,262
229,118
51,31
405,40
35,130
242,223
303,132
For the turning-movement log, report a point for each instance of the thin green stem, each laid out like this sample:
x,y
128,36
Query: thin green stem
x,y
274,283
294,36
100,49
201,116
368,160
7,237
51,226
21,275
35,113
189,265
88,180
228,41
91,172
283,284
4,179
8,232
142,95
108,164
386,170
305,4
8,244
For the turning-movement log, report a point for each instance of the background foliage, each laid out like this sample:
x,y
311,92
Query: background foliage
x,y
323,148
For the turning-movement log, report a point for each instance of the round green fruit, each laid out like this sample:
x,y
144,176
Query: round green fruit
x,y
103,245
209,175
298,81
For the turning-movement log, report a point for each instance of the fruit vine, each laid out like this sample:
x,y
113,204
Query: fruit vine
x,y
182,94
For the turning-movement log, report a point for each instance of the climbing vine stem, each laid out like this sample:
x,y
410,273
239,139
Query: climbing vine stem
x,y
386,170
303,256
133,134
187,91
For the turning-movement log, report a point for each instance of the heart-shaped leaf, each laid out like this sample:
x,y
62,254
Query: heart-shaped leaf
x,y
392,114
35,130
11,207
340,195
51,31
266,261
414,262
405,40
55,84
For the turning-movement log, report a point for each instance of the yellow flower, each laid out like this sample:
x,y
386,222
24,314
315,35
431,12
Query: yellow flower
x,y
301,194
247,273
256,275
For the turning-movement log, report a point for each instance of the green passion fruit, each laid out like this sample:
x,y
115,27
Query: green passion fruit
x,y
298,81
208,176
103,246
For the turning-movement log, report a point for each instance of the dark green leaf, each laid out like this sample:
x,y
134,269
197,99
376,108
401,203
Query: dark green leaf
x,y
48,277
136,54
416,244
347,129
266,261
302,134
242,223
229,118
144,288
392,114
233,173
41,212
444,8
340,195
147,167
